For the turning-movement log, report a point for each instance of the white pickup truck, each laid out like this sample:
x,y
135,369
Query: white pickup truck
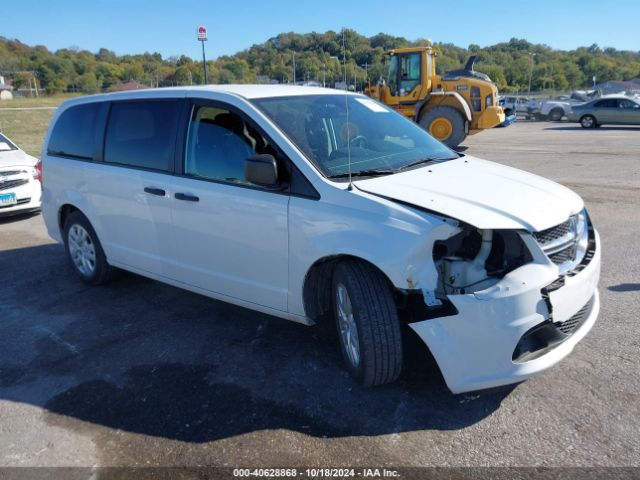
x,y
557,108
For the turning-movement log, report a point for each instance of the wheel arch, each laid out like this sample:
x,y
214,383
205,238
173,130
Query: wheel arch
x,y
63,212
450,99
316,290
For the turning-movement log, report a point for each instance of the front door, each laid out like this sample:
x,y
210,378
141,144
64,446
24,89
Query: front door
x,y
629,111
231,236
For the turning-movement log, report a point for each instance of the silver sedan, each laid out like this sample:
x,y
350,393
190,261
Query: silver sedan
x,y
611,110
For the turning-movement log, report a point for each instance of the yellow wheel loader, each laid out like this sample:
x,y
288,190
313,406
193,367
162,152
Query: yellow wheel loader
x,y
448,106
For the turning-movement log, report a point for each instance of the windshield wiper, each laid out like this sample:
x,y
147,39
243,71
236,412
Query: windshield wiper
x,y
424,161
363,173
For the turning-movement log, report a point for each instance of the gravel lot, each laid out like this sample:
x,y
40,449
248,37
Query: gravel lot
x,y
139,373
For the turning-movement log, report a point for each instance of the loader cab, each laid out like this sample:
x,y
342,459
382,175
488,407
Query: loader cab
x,y
410,72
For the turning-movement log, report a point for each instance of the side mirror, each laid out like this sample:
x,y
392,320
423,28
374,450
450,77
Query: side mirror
x,y
261,170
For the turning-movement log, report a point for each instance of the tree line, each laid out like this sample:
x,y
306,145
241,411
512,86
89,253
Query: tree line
x,y
317,57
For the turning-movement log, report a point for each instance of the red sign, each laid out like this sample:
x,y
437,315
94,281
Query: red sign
x,y
202,34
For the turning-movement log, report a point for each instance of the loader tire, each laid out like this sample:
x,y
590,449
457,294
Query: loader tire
x,y
445,124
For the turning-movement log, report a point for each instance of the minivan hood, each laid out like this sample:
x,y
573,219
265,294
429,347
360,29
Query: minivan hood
x,y
484,194
16,158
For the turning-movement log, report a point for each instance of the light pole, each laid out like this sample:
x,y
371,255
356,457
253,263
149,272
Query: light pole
x,y
531,55
337,59
366,72
293,54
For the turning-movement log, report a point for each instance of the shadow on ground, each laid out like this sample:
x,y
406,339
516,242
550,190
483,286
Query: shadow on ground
x,y
577,126
625,287
16,217
147,358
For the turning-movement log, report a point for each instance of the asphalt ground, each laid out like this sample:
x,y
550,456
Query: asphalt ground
x,y
138,373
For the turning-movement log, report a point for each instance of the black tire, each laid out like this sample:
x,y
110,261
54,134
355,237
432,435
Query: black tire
x,y
102,272
455,119
508,112
588,121
556,114
376,320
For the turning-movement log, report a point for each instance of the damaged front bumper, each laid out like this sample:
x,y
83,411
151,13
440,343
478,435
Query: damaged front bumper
x,y
524,324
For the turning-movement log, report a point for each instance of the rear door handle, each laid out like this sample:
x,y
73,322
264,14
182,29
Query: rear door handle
x,y
187,198
155,191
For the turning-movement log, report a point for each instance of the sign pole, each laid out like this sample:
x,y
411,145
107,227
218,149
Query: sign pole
x,y
204,64
202,37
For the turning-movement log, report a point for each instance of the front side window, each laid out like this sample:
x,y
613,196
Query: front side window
x,y
219,142
74,133
392,75
375,137
627,104
142,134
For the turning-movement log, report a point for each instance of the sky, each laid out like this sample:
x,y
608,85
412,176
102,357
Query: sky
x,y
169,26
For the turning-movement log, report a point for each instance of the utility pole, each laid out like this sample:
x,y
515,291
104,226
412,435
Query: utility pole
x,y
531,71
202,37
293,54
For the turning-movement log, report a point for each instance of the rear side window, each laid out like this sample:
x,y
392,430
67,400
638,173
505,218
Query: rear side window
x,y
142,134
607,103
74,132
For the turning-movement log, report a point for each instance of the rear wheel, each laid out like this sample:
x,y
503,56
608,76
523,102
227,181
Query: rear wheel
x,y
556,114
84,250
588,121
444,123
367,323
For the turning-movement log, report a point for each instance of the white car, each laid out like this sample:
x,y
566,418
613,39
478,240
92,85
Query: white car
x,y
20,180
310,203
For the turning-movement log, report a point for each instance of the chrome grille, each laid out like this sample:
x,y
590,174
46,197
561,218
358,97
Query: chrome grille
x,y
553,233
566,255
7,184
565,243
8,173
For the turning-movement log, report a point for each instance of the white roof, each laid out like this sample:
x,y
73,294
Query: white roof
x,y
263,91
245,91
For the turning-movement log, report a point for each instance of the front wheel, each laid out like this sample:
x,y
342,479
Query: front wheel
x,y
444,123
84,250
367,323
588,121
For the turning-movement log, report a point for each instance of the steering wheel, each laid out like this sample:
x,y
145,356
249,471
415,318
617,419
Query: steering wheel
x,y
359,141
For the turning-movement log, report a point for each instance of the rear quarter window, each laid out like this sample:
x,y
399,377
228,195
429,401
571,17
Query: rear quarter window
x,y
74,132
142,134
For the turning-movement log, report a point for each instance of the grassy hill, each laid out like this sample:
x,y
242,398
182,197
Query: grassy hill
x,y
508,63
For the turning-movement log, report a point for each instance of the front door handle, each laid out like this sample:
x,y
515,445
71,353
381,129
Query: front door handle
x,y
187,198
155,191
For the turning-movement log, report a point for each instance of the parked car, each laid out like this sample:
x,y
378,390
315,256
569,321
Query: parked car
x,y
615,110
20,179
514,105
310,203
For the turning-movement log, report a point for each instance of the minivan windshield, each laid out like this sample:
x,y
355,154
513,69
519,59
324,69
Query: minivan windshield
x,y
378,140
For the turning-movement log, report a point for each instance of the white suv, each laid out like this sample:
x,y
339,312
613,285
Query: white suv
x,y
310,203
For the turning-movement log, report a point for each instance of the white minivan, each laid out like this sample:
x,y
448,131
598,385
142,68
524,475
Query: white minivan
x,y
312,204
